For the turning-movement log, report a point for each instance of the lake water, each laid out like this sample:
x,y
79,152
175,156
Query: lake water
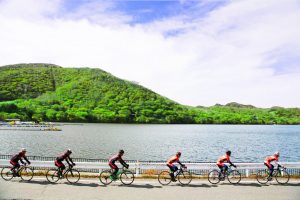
x,y
206,143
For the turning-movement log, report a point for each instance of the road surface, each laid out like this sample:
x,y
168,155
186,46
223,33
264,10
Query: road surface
x,y
39,188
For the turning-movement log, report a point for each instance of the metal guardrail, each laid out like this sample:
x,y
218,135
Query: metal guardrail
x,y
147,167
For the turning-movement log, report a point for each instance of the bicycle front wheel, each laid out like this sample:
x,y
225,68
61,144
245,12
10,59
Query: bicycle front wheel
x,y
72,175
127,177
26,173
282,176
184,177
7,174
213,177
105,177
234,177
164,178
52,175
262,176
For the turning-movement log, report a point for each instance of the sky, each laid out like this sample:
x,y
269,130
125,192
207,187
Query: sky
x,y
195,52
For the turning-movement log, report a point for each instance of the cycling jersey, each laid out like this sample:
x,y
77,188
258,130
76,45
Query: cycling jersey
x,y
222,159
172,160
63,156
270,159
115,158
18,157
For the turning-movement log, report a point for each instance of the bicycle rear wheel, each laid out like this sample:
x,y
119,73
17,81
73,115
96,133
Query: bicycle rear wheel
x,y
213,176
262,176
7,174
105,177
52,175
184,177
282,176
164,178
26,173
127,177
234,177
72,175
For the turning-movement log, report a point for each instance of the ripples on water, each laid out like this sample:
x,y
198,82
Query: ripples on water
x,y
158,142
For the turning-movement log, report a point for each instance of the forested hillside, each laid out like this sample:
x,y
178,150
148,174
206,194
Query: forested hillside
x,y
45,92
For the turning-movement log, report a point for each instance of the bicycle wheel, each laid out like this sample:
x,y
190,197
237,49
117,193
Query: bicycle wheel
x,y
184,177
72,175
164,178
262,176
7,174
234,177
105,177
127,177
213,176
26,173
282,176
52,175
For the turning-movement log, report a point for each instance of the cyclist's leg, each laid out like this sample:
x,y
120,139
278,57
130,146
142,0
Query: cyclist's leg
x,y
60,166
173,169
225,168
221,167
115,169
269,166
271,170
15,168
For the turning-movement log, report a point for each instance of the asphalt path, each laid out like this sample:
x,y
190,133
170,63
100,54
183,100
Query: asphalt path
x,y
39,188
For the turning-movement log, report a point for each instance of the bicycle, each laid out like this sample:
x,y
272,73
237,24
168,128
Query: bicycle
x,y
233,176
26,173
124,175
72,175
280,173
184,177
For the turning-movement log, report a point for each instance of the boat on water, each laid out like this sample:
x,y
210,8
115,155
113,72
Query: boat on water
x,y
18,125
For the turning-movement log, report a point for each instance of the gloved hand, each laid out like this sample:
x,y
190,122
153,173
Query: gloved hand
x,y
29,162
127,166
74,164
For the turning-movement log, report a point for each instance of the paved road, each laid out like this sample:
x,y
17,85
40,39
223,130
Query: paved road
x,y
146,190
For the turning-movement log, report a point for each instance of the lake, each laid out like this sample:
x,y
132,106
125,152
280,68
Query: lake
x,y
248,143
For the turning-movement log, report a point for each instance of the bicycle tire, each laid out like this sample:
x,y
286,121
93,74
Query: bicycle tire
x,y
262,176
164,178
52,175
127,177
282,176
234,177
184,177
7,174
72,175
105,178
213,176
26,173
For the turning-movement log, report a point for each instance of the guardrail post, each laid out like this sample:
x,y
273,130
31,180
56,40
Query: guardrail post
x,y
247,173
137,168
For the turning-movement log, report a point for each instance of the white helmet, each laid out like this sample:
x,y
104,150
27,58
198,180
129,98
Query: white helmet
x,y
276,153
23,150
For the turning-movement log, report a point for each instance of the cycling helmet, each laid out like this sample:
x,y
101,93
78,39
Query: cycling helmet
x,y
178,153
23,150
228,153
69,151
276,153
121,151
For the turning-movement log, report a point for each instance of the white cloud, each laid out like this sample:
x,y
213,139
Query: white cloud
x,y
228,55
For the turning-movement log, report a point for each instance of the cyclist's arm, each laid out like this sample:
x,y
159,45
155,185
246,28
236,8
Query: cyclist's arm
x,y
231,163
25,158
182,165
69,160
123,163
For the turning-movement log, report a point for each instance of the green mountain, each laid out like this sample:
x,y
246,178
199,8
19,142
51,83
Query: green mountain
x,y
46,92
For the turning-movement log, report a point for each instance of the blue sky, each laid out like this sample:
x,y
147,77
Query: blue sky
x,y
194,52
144,11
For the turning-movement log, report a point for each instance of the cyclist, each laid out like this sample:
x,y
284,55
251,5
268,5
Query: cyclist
x,y
15,161
173,167
225,158
113,159
59,161
268,161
